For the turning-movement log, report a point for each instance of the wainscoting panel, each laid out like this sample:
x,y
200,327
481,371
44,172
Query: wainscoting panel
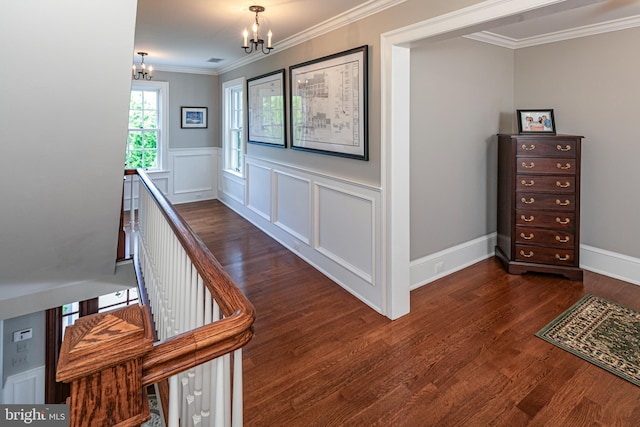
x,y
259,192
232,187
293,205
332,223
25,388
194,175
344,229
161,179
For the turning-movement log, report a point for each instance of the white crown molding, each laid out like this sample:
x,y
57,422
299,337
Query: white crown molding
x,y
494,39
188,70
573,33
352,15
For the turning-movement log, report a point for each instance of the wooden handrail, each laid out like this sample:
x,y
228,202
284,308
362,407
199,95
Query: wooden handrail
x,y
113,354
200,345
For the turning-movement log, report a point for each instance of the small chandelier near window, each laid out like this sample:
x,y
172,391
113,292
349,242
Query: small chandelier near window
x,y
256,43
143,73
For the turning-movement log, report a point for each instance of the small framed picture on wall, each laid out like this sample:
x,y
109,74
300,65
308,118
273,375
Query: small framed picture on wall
x,y
193,117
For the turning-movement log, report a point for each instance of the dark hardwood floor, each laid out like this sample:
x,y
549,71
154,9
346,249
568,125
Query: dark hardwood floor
x,y
466,355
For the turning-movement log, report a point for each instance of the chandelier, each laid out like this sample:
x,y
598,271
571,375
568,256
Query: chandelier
x,y
256,43
142,73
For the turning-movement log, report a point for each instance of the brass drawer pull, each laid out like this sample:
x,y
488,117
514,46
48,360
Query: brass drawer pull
x,y
562,258
563,222
561,185
561,203
562,240
528,202
529,148
525,237
525,219
565,148
527,184
529,255
530,165
566,166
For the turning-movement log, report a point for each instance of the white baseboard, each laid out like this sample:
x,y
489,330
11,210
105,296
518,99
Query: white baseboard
x,y
427,269
612,264
607,263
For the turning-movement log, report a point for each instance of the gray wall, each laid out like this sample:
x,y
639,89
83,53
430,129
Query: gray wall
x,y
590,82
461,97
366,31
31,349
192,90
592,85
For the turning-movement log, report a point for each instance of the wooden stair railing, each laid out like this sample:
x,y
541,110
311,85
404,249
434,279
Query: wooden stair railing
x,y
101,356
110,358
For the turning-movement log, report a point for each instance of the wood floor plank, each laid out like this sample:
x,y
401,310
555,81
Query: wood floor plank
x,y
465,355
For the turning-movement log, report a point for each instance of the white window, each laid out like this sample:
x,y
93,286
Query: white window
x,y
147,125
233,139
119,299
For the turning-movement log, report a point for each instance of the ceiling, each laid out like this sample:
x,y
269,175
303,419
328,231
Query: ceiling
x,y
206,35
188,34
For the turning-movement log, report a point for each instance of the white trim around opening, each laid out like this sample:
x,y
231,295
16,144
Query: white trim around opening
x,y
395,140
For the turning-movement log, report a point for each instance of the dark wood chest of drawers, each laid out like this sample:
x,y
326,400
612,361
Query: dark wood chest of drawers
x,y
539,204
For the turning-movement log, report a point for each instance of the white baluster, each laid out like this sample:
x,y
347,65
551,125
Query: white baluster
x,y
226,363
184,399
236,410
219,409
199,321
174,402
132,215
206,368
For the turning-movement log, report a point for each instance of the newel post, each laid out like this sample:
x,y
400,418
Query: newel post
x,y
101,356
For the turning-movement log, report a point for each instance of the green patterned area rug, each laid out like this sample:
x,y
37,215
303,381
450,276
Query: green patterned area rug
x,y
601,332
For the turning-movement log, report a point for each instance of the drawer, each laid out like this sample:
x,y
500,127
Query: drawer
x,y
527,165
554,256
544,183
555,220
556,202
545,237
566,149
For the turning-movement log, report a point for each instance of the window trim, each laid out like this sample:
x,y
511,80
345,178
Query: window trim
x,y
226,105
163,119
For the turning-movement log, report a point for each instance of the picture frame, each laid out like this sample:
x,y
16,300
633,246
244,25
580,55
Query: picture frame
x,y
266,122
193,117
328,104
536,121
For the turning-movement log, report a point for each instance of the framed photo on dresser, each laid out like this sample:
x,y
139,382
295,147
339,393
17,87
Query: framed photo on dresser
x,y
536,121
